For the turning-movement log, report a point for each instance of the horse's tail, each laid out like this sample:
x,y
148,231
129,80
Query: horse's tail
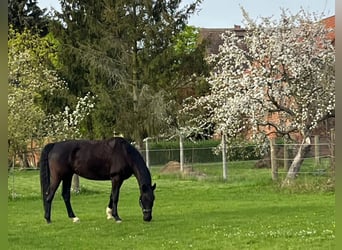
x,y
45,171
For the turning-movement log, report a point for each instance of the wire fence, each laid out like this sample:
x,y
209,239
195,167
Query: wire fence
x,y
284,156
204,164
320,159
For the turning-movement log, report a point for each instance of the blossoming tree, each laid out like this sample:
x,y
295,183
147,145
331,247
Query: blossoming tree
x,y
29,79
282,69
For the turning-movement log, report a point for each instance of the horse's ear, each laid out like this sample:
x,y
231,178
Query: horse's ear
x,y
144,187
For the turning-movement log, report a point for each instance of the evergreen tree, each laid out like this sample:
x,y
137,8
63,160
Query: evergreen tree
x,y
92,60
125,52
27,14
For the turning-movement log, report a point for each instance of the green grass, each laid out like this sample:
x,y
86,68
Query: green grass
x,y
245,212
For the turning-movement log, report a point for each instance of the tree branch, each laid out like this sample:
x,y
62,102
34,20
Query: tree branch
x,y
278,130
275,103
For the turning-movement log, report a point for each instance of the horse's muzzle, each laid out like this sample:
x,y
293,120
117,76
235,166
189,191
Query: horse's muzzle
x,y
147,217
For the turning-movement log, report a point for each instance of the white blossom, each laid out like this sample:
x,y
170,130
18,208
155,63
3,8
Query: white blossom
x,y
287,71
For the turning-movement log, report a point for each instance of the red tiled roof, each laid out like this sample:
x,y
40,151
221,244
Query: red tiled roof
x,y
329,23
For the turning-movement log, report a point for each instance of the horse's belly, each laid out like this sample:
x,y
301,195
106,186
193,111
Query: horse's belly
x,y
95,177
93,172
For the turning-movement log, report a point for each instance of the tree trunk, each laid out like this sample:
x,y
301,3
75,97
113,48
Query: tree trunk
x,y
297,162
24,160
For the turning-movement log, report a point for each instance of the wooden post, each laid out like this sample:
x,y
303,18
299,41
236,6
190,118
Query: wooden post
x,y
274,167
332,149
224,157
316,142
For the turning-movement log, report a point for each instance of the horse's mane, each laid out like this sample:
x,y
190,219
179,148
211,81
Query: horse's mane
x,y
137,162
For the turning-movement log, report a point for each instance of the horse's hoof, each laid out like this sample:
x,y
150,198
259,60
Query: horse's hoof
x,y
76,220
117,219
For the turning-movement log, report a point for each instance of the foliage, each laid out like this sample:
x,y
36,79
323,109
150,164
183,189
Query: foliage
x,y
66,125
26,14
174,144
28,80
247,152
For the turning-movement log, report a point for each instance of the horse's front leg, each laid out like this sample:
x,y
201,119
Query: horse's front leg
x,y
114,199
109,208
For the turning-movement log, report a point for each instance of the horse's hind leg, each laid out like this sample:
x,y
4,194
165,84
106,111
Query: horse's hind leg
x,y
66,197
49,197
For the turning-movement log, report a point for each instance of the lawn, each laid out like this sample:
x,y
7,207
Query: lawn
x,y
241,213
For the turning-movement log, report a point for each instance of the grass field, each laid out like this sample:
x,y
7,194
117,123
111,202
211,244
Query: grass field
x,y
248,211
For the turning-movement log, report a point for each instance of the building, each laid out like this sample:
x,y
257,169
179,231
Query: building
x,y
212,37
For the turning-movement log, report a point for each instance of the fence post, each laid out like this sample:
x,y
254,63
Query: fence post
x,y
224,157
286,157
316,142
13,185
332,149
147,152
274,168
181,153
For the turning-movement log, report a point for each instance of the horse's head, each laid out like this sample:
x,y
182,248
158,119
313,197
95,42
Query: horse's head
x,y
146,201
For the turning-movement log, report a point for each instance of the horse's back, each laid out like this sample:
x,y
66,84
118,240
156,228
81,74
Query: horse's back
x,y
91,159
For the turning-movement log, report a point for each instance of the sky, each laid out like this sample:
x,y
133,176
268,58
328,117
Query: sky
x,y
227,13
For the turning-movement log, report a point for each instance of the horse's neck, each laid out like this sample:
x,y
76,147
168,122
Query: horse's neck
x,y
142,175
138,165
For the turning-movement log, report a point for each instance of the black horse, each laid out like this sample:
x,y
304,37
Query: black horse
x,y
114,159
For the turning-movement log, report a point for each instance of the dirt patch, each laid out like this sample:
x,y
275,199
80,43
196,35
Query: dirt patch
x,y
173,167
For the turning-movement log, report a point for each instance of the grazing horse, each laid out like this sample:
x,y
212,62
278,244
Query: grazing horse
x,y
113,159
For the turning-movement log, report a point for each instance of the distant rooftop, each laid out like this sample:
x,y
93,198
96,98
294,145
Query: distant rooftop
x,y
213,36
